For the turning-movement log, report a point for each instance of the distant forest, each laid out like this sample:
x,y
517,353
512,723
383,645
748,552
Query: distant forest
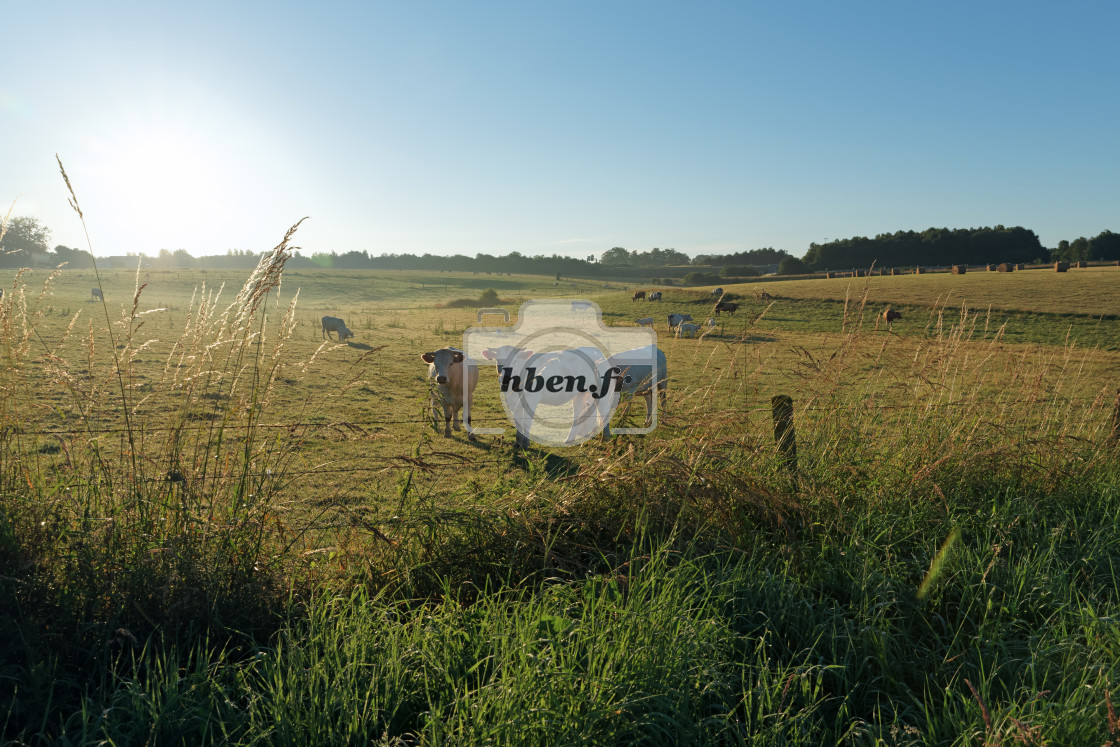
x,y
942,246
25,243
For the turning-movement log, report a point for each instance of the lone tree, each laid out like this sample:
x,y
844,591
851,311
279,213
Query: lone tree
x,y
23,238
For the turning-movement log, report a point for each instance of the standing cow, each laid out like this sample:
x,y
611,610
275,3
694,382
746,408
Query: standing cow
x,y
889,315
454,390
574,377
729,306
582,368
334,324
685,328
97,294
676,319
654,296
639,296
642,379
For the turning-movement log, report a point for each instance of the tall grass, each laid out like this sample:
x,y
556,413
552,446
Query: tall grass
x,y
154,524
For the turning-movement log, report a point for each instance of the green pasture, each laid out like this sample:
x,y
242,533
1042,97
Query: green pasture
x,y
1092,292
218,527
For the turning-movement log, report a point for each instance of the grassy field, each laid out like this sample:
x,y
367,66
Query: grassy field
x,y
219,527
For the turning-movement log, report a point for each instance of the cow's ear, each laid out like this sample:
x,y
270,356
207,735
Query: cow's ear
x,y
457,358
428,357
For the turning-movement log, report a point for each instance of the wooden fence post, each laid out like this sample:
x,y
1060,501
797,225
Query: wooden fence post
x,y
781,407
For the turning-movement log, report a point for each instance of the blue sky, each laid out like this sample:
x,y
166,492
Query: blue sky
x,y
451,127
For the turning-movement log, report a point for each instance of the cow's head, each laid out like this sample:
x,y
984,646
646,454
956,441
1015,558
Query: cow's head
x,y
440,361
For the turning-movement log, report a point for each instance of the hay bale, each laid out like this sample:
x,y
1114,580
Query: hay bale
x,y
1006,267
959,269
1061,267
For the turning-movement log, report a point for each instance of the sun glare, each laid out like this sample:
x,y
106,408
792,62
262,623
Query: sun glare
x,y
161,183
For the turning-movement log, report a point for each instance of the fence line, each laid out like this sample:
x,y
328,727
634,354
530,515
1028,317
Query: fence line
x,y
362,424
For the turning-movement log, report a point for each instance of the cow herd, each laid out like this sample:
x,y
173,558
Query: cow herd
x,y
455,376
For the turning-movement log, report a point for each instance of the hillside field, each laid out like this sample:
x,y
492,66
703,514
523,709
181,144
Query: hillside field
x,y
191,465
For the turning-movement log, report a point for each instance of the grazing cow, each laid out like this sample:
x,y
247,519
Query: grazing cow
x,y
717,292
334,324
684,328
675,319
96,293
889,315
654,296
729,306
446,367
764,296
647,322
639,295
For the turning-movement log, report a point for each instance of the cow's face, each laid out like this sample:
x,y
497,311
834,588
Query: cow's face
x,y
440,362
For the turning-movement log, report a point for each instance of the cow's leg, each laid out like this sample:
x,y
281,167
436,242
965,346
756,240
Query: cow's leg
x,y
521,441
448,416
439,406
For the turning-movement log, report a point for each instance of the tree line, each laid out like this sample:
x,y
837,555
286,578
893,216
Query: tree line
x,y
26,242
968,246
